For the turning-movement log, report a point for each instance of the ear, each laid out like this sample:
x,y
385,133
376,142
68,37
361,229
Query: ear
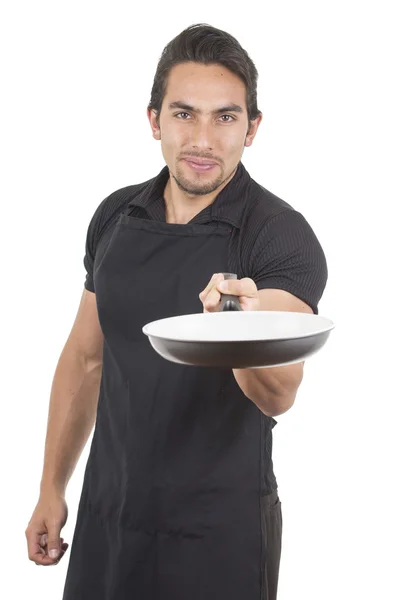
x,y
153,117
253,128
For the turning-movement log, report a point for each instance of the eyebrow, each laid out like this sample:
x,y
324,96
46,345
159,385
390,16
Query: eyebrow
x,y
229,108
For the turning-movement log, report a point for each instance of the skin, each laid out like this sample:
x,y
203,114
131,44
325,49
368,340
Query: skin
x,y
273,389
202,132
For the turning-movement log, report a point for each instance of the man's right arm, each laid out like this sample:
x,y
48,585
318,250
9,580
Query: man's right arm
x,y
72,414
74,396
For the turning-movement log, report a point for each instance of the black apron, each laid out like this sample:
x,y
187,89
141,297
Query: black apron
x,y
172,500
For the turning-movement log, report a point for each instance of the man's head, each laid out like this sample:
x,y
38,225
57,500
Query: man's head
x,y
203,107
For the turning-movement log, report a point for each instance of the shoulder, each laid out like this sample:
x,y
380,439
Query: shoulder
x,y
108,211
102,221
115,203
267,217
272,222
262,207
280,248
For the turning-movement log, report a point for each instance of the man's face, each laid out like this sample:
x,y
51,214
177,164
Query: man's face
x,y
203,126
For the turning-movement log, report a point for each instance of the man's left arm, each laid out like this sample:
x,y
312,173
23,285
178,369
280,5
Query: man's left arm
x,y
274,389
288,266
288,272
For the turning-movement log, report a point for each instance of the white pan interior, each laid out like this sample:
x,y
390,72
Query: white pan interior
x,y
233,326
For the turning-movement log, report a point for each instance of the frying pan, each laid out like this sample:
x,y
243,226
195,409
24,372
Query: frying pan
x,y
237,339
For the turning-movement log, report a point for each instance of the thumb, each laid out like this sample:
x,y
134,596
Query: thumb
x,y
53,543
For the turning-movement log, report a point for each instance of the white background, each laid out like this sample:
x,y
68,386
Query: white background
x,y
76,79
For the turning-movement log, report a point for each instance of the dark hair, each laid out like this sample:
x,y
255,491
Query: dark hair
x,y
206,45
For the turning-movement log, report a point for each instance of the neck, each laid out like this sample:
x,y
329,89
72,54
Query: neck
x,y
181,207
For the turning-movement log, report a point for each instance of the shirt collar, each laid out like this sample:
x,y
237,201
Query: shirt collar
x,y
228,205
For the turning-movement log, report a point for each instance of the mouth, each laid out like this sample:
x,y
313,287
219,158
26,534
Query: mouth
x,y
200,165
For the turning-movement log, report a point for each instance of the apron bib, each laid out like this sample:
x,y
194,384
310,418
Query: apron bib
x,y
171,500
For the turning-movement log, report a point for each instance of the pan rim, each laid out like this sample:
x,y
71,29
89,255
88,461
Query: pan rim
x,y
327,328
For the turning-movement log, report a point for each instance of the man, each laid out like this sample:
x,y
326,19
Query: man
x,y
179,500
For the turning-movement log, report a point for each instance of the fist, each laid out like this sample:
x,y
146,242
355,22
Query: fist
x,y
43,531
245,290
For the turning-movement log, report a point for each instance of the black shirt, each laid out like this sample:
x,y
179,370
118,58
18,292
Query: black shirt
x,y
271,242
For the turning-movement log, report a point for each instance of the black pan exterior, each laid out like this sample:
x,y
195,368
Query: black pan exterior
x,y
241,354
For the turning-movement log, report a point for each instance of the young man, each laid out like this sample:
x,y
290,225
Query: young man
x,y
179,500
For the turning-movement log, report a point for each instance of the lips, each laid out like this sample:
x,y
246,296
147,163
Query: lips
x,y
200,161
199,164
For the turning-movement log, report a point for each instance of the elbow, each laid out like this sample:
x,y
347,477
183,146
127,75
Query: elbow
x,y
280,406
274,406
272,401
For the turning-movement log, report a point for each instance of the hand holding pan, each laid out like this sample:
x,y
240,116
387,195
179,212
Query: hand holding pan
x,y
237,339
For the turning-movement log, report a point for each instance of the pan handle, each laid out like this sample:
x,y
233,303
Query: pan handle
x,y
229,302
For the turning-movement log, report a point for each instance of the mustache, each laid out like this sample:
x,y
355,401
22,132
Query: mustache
x,y
202,156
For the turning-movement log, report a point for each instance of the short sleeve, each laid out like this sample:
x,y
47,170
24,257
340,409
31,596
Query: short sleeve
x,y
89,258
104,217
91,244
288,256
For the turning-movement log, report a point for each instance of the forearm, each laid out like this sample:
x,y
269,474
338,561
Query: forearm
x,y
272,389
71,417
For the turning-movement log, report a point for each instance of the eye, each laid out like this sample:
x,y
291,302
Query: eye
x,y
178,115
229,117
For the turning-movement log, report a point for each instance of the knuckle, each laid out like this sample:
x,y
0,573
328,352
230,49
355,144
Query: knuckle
x,y
249,283
210,307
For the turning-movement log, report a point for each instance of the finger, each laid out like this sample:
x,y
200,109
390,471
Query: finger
x,y
54,542
212,299
215,277
44,560
239,287
64,546
33,539
44,539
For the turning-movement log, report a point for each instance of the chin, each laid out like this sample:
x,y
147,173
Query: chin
x,y
198,185
197,188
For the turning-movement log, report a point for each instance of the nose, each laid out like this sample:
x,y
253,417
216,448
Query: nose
x,y
202,136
